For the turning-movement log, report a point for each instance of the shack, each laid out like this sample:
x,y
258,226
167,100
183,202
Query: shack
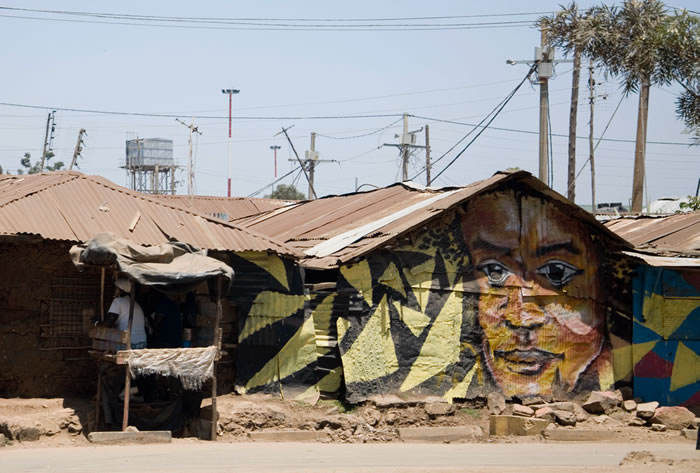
x,y
666,323
47,305
501,285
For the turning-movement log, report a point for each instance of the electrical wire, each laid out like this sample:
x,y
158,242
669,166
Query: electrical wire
x,y
493,114
274,182
558,135
363,135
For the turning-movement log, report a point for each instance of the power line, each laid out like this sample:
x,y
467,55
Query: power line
x,y
558,135
363,135
493,117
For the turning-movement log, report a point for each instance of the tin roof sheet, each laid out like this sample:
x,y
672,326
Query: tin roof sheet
x,y
674,235
336,229
223,207
71,206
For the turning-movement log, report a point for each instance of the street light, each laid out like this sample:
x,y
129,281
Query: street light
x,y
230,93
275,148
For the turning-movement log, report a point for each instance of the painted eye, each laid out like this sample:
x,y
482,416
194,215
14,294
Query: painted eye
x,y
558,273
495,271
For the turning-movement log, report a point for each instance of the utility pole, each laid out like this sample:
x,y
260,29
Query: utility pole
x,y
591,148
640,149
427,155
544,59
190,168
78,148
230,93
311,158
48,139
406,144
275,148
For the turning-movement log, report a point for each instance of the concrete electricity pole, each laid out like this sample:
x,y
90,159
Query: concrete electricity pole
x,y
190,168
78,148
311,158
407,143
48,139
230,93
275,148
427,155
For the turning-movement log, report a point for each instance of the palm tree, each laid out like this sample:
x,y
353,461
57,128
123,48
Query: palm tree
x,y
643,45
566,29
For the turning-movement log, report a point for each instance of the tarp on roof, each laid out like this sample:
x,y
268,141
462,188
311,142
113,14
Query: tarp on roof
x,y
170,266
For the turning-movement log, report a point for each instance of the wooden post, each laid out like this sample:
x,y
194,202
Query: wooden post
x,y
217,322
573,114
127,378
98,400
102,294
544,104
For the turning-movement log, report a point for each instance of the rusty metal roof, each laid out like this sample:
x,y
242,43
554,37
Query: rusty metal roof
x,y
223,207
674,235
337,229
69,205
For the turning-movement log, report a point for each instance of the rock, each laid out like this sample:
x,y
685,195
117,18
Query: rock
x,y
372,417
442,409
3,440
523,411
546,413
646,410
696,423
637,422
602,402
690,434
531,400
496,403
629,405
565,417
658,428
131,428
390,400
673,417
626,393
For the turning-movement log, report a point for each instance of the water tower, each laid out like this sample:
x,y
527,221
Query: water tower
x,y
150,165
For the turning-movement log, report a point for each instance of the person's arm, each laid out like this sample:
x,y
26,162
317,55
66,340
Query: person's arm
x,y
111,316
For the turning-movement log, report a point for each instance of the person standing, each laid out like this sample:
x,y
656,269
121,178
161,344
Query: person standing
x,y
118,314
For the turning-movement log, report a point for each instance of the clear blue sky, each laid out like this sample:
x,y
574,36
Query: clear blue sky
x,y
457,74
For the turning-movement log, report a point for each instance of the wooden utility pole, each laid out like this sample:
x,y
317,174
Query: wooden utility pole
x,y
48,139
311,158
190,167
404,149
591,148
427,155
78,148
640,148
575,79
544,72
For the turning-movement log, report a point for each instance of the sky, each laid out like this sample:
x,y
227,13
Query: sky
x,y
123,78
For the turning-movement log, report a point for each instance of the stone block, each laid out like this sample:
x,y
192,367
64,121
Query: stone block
x,y
525,411
390,400
637,422
496,403
646,410
673,417
602,402
629,405
441,434
546,413
442,409
286,436
148,436
658,428
565,417
516,425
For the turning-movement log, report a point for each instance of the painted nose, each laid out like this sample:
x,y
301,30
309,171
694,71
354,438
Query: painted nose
x,y
520,313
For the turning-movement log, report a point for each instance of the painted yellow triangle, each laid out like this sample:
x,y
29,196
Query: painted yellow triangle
x,y
360,277
459,390
622,362
277,270
415,321
266,303
373,354
639,350
664,315
441,346
392,279
686,367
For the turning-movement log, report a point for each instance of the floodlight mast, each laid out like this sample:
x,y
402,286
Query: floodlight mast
x,y
230,93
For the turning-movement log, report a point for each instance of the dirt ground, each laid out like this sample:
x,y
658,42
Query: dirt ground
x,y
65,422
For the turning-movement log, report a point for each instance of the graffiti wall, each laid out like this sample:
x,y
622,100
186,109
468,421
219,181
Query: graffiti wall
x,y
666,336
277,342
507,293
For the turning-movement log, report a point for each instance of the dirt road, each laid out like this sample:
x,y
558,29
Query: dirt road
x,y
191,457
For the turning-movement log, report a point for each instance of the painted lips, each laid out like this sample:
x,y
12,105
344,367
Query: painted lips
x,y
527,362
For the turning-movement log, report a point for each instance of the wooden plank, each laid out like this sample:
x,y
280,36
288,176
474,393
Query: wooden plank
x,y
101,355
108,334
104,345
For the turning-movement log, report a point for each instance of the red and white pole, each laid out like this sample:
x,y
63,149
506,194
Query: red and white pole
x,y
230,109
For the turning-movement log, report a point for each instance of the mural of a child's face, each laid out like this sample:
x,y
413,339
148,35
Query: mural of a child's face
x,y
536,270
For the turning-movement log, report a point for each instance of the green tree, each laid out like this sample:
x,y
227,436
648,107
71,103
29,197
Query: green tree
x,y
286,192
643,45
26,163
692,204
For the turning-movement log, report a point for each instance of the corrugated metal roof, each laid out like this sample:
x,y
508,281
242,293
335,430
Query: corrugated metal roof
x,y
362,222
71,206
674,235
666,261
222,207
